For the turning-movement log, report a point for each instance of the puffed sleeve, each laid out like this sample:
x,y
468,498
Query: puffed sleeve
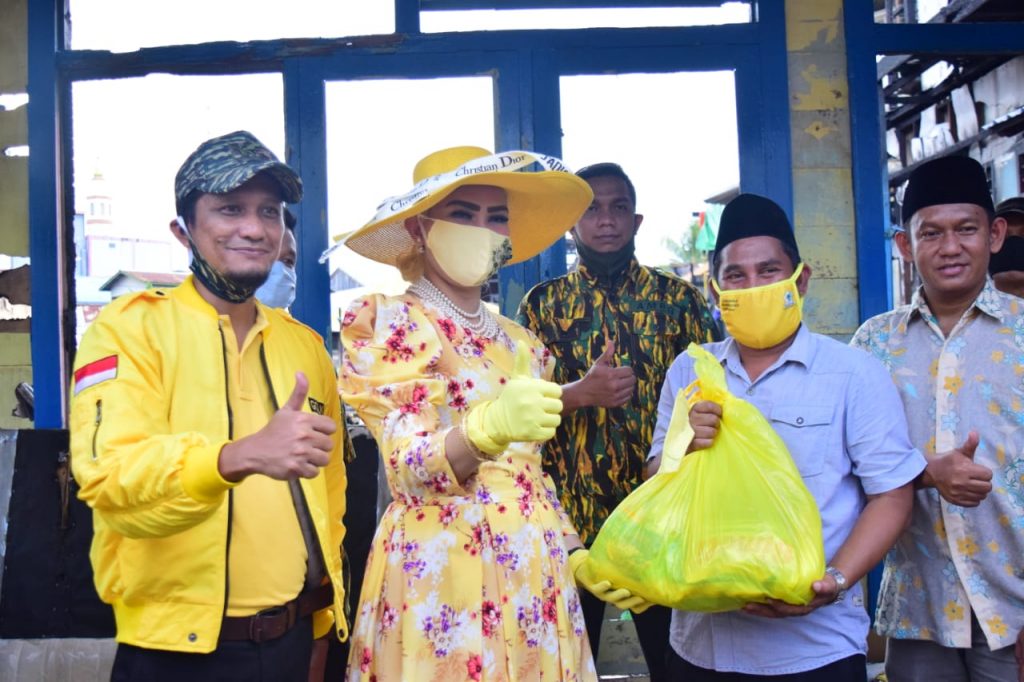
x,y
545,363
390,352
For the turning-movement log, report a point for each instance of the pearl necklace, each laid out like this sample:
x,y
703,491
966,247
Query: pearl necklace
x,y
481,323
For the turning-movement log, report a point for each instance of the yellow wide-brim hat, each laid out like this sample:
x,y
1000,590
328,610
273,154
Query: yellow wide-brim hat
x,y
542,205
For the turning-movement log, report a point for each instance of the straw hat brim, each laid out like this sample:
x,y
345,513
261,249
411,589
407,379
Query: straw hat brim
x,y
542,206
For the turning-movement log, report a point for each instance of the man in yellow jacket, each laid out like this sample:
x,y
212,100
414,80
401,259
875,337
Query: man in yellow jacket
x,y
206,437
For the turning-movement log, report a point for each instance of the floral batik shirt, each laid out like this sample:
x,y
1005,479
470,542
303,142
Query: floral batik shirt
x,y
597,455
954,560
465,581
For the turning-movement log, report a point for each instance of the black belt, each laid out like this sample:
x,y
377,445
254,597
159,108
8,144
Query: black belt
x,y
275,622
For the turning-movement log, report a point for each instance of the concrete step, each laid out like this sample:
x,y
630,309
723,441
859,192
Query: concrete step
x,y
620,656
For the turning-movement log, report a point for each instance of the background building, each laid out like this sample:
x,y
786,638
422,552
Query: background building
x,y
830,103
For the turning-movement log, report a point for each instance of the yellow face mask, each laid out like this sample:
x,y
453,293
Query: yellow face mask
x,y
468,255
762,317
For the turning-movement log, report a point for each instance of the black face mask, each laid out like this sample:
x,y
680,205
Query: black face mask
x,y
1010,257
232,290
606,265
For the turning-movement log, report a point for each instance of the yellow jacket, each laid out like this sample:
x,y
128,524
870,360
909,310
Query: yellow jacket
x,y
149,416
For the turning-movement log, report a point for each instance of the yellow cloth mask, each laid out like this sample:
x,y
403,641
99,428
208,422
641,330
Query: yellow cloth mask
x,y
762,317
469,255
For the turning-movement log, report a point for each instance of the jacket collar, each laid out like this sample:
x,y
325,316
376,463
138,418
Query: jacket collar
x,y
187,294
631,273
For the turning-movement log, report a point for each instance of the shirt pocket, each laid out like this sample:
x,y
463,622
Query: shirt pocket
x,y
568,329
569,339
656,324
805,430
654,342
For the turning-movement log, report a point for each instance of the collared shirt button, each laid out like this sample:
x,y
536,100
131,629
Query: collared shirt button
x,y
799,420
192,637
750,391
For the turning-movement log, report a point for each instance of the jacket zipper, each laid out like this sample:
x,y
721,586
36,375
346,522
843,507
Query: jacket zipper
x,y
99,419
231,435
304,503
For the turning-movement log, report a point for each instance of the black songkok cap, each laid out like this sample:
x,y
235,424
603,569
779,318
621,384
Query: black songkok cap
x,y
947,180
750,215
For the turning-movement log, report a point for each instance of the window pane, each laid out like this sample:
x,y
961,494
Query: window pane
x,y
130,137
376,132
673,134
493,20
144,23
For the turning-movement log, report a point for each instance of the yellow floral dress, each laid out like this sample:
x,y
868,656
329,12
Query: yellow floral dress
x,y
464,581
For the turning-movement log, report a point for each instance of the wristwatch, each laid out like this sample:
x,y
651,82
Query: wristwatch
x,y
841,582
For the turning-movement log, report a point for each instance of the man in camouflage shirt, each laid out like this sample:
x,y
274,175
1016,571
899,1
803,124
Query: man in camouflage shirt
x,y
614,327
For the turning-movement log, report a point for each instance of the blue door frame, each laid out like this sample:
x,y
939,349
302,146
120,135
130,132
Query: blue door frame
x,y
864,40
526,66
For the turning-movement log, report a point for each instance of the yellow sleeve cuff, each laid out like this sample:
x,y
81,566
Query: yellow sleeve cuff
x,y
323,622
200,474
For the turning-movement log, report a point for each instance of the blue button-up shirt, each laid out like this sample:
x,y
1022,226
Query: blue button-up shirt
x,y
839,414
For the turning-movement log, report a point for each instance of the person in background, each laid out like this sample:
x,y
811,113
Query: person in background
x,y
952,596
279,289
329,654
1007,264
841,420
613,327
471,575
205,437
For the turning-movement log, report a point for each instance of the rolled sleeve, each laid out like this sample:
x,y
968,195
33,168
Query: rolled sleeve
x,y
878,440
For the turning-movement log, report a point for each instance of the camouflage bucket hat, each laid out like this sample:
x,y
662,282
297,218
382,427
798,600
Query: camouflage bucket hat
x,y
223,164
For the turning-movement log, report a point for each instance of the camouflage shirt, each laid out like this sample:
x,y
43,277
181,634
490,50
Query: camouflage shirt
x,y
597,455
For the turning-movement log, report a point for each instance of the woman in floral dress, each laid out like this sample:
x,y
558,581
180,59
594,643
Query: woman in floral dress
x,y
468,577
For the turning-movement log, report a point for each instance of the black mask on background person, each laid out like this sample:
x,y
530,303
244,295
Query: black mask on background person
x,y
606,266
1010,257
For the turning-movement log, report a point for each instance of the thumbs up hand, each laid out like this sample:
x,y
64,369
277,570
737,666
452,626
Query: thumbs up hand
x,y
528,409
298,397
293,443
606,385
957,477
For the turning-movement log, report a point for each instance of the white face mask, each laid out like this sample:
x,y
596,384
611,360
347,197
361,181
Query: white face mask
x,y
469,255
279,289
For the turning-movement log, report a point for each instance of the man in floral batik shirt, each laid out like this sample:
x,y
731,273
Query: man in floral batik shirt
x,y
614,327
952,596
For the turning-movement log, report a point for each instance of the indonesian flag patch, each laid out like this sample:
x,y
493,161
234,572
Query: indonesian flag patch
x,y
95,372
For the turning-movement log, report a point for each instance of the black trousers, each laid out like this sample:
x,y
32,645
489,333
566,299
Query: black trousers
x,y
285,659
852,669
651,629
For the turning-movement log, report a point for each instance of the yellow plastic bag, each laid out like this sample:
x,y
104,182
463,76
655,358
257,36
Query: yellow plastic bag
x,y
722,527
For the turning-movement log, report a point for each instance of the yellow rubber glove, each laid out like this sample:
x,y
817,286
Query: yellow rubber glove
x,y
528,409
602,589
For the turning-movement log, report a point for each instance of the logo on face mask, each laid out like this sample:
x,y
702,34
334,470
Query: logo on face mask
x,y
762,317
469,255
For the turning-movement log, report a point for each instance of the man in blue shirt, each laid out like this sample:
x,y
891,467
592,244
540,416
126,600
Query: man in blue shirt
x,y
842,421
